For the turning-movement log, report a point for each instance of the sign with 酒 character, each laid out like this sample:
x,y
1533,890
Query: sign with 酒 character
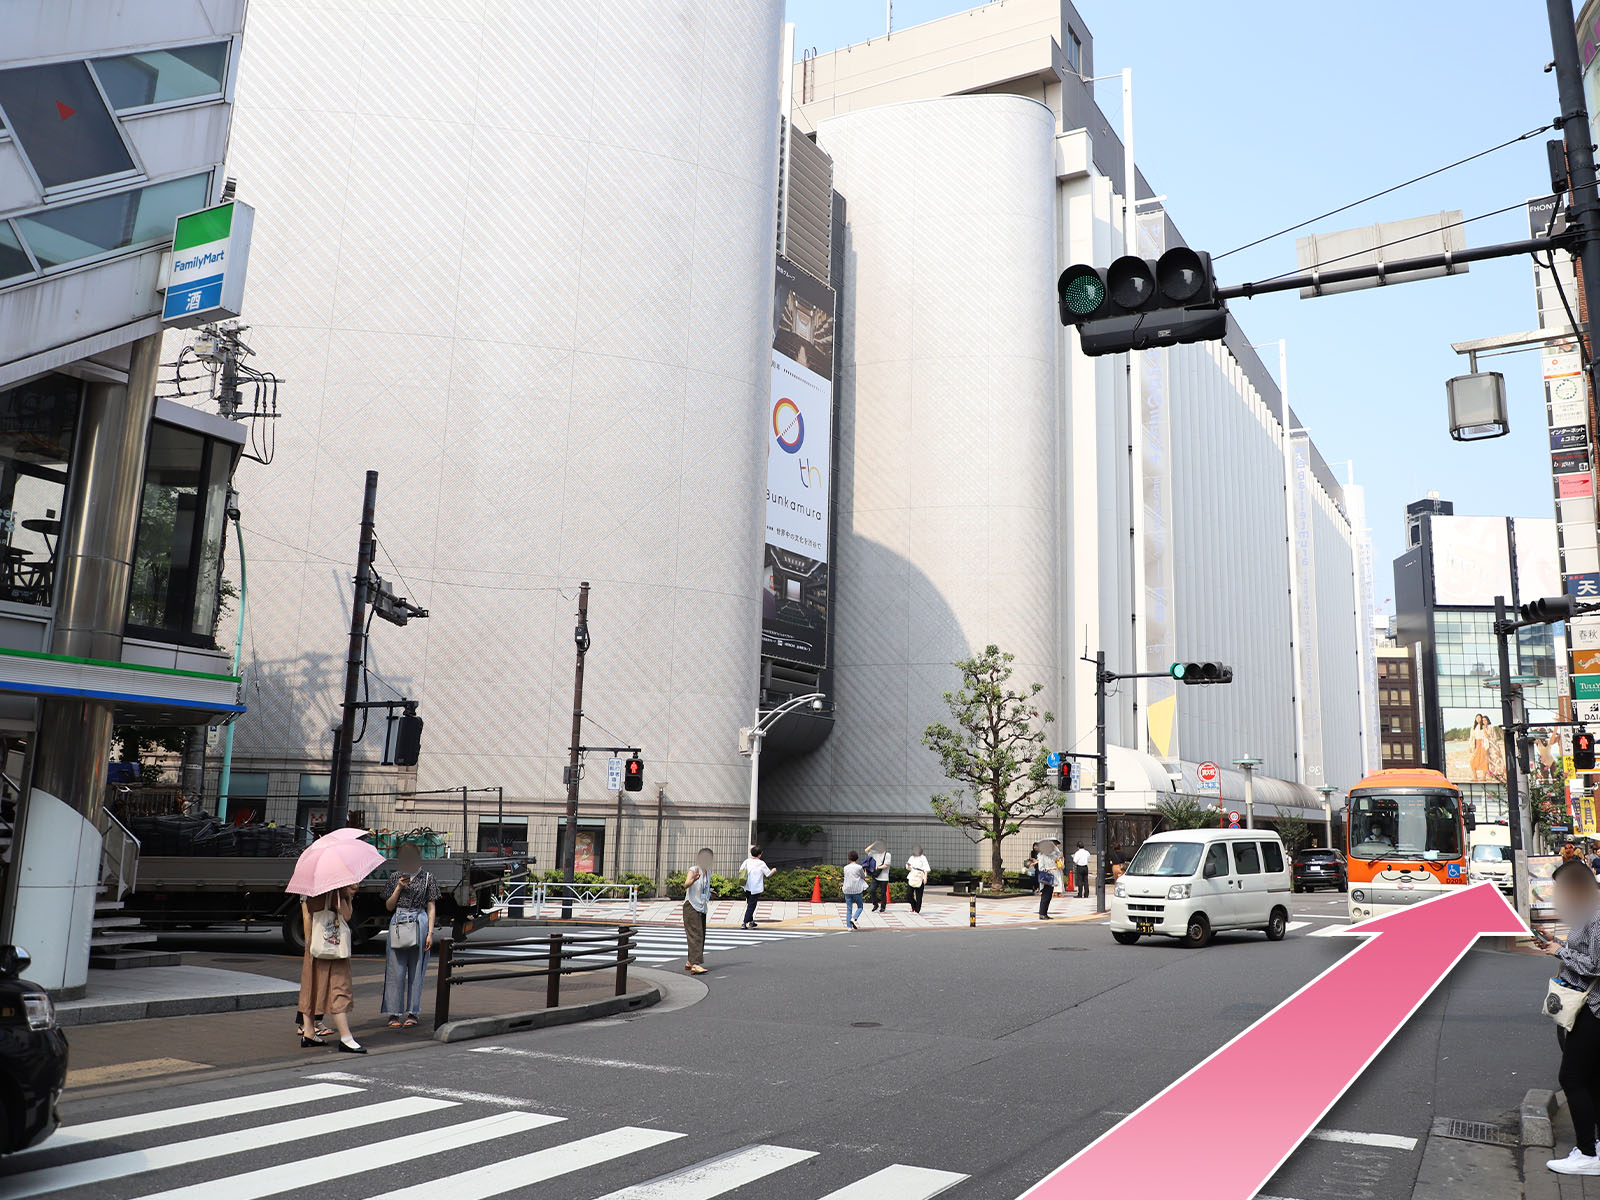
x,y
210,251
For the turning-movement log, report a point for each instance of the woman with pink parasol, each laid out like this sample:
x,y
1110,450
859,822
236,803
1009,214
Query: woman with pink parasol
x,y
325,877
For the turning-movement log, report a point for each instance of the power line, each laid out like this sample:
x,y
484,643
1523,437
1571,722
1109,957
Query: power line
x,y
1375,195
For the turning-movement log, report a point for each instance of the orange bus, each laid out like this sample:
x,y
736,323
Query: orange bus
x,y
1405,840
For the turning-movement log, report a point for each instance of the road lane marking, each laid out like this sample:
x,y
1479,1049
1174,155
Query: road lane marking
x,y
584,1060
133,1162
1387,1141
441,1093
716,1175
1293,925
96,1131
497,1178
898,1182
304,1174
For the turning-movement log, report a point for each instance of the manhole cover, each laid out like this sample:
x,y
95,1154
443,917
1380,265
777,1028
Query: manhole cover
x,y
866,1024
1472,1131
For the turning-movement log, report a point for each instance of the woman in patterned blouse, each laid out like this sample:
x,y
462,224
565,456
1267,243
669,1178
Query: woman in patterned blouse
x,y
412,902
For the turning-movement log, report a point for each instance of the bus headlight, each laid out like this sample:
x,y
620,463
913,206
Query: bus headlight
x,y
1178,891
1358,896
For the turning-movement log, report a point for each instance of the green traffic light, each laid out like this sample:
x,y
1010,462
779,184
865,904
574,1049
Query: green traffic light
x,y
1176,670
1082,292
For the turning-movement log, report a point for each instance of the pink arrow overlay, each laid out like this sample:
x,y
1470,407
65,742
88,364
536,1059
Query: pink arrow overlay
x,y
1361,1001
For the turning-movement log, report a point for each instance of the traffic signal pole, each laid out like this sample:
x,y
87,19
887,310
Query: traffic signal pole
x,y
1508,723
1101,678
1575,132
575,758
344,743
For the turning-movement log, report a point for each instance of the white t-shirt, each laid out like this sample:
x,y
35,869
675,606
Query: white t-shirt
x,y
883,868
918,862
1080,857
855,879
755,875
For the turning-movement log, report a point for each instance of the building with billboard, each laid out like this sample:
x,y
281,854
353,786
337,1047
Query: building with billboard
x,y
1445,588
114,123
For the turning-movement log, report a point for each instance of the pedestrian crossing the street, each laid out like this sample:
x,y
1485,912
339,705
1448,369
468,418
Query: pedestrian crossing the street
x,y
658,945
414,1147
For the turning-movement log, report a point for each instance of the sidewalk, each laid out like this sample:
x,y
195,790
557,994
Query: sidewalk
x,y
941,911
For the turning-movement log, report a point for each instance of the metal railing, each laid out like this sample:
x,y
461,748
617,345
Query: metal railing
x,y
590,900
119,854
568,952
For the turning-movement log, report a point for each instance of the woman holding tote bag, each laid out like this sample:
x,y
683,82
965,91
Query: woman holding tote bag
x,y
1571,1001
325,982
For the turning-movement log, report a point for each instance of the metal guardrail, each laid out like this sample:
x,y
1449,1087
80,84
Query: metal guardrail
x,y
603,900
563,953
119,854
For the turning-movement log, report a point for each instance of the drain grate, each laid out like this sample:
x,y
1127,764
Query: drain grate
x,y
1472,1131
866,1024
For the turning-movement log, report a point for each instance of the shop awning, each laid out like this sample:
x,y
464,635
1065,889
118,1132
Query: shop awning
x,y
144,694
1139,780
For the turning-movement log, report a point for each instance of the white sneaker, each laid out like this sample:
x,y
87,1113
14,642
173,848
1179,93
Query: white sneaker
x,y
1575,1163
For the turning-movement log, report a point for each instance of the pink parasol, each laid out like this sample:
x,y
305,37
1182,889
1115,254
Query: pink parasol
x,y
333,861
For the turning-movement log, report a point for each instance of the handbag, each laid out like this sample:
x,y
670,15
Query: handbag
x,y
330,935
403,930
916,879
1562,1002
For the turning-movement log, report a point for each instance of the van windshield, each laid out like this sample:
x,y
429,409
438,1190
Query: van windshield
x,y
1491,854
1166,858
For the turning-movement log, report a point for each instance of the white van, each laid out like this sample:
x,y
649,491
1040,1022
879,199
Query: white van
x,y
1189,883
1491,856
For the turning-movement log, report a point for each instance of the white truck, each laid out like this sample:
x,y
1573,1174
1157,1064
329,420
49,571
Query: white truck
x,y
1490,859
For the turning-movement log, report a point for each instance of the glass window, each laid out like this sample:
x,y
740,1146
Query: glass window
x,y
1217,862
1166,858
1272,856
163,76
37,423
1247,855
312,808
1074,52
62,125
93,227
13,259
245,802
1425,825
177,562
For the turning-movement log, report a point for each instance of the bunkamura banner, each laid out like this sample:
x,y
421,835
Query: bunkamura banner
x,y
795,580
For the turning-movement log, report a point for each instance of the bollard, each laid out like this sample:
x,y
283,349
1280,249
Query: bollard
x,y
441,997
972,913
624,943
552,995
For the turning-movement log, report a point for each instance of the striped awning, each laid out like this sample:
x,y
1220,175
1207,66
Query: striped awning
x,y
156,695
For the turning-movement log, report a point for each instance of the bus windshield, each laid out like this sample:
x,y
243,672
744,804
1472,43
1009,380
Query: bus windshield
x,y
1421,825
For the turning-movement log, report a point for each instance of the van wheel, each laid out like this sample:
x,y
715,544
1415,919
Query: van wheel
x,y
1277,925
1199,932
1125,937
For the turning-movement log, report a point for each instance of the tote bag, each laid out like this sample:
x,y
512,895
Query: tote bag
x,y
1562,1002
330,935
403,931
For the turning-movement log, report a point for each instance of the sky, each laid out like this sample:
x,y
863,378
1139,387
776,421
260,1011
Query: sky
x,y
1253,115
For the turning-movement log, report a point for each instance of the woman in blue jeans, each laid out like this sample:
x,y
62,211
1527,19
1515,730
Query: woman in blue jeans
x,y
855,882
412,902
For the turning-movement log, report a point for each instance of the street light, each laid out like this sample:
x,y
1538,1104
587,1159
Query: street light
x,y
1328,790
1248,765
750,739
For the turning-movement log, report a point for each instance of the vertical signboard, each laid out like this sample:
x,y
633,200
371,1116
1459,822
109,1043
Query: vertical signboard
x,y
794,620
210,250
1155,441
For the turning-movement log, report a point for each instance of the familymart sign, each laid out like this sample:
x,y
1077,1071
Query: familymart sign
x,y
210,251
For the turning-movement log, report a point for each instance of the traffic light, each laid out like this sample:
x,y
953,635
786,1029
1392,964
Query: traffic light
x,y
1583,751
633,774
1201,672
1064,776
1139,303
1548,610
408,740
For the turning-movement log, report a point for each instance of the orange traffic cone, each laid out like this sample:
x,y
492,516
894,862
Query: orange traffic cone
x,y
816,890
887,888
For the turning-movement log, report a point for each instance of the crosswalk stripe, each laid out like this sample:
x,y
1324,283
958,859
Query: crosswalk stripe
x,y
1329,931
115,1166
1293,925
167,1118
302,1173
716,1175
898,1182
496,1178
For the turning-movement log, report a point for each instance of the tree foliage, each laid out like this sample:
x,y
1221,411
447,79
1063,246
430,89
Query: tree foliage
x,y
1184,812
1295,832
994,749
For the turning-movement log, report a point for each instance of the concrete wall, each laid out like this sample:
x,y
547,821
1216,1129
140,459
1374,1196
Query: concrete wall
x,y
519,259
948,484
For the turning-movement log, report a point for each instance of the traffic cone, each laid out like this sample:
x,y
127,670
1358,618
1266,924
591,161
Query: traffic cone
x,y
887,888
816,890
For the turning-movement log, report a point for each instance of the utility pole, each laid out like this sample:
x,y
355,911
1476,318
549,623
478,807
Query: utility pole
x,y
344,743
1508,723
1575,131
1101,678
580,636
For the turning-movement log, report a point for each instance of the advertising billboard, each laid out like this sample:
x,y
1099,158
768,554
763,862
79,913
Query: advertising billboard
x,y
1471,560
1474,746
794,619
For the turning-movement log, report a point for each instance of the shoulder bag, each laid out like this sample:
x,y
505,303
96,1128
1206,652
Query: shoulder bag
x,y
916,877
403,930
1562,1002
330,935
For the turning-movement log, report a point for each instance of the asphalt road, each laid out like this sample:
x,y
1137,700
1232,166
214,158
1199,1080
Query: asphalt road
x,y
992,1055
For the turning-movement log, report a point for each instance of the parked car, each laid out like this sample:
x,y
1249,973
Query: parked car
x,y
1190,883
33,1056
1318,867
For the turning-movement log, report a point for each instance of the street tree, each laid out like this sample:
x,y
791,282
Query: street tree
x,y
994,749
1184,812
1295,832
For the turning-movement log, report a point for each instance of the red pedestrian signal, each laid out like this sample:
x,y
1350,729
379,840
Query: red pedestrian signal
x,y
1583,751
633,774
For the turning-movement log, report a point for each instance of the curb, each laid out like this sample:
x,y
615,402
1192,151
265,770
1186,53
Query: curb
x,y
1536,1114
543,1018
178,1006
